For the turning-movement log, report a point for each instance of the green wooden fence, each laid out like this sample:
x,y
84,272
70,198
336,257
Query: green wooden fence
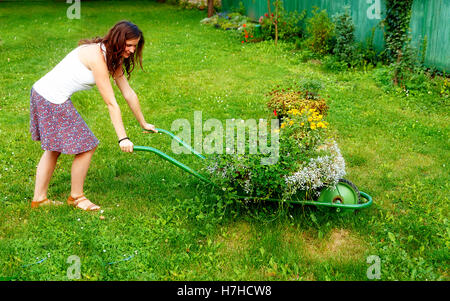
x,y
429,18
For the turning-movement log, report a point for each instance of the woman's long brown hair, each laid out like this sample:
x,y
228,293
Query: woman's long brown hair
x,y
115,43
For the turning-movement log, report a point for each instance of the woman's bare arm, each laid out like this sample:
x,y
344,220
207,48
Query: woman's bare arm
x,y
132,100
130,96
99,69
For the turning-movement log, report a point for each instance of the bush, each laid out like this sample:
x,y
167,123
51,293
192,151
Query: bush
x,y
320,32
414,82
284,100
267,27
240,9
344,49
248,33
333,63
311,85
199,4
305,54
227,21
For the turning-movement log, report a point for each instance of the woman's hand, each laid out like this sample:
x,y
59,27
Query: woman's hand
x,y
126,146
149,127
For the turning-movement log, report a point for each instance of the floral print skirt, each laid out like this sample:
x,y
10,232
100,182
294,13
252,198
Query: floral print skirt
x,y
59,127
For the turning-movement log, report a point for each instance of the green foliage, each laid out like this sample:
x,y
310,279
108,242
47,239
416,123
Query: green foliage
x,y
423,50
444,86
305,54
332,63
186,4
228,21
289,24
240,9
397,41
413,82
173,2
344,49
396,23
267,27
320,31
302,137
244,175
347,52
312,86
365,53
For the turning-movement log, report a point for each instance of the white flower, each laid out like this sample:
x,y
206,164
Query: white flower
x,y
321,171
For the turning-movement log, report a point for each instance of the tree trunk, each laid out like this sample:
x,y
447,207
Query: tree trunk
x,y
210,8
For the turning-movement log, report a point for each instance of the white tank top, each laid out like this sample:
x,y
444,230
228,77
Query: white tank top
x,y
66,78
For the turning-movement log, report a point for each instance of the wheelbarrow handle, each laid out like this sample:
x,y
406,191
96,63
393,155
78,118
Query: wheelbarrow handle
x,y
173,161
182,142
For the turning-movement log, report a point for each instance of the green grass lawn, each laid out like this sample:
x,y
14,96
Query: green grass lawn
x,y
163,224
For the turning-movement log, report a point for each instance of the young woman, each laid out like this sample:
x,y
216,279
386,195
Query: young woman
x,y
56,123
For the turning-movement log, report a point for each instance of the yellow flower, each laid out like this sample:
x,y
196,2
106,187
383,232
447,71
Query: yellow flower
x,y
313,125
322,124
302,124
310,119
283,125
291,122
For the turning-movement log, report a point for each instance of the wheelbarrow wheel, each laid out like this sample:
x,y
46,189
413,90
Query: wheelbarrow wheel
x,y
345,192
353,186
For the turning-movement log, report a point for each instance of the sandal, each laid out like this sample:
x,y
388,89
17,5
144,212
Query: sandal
x,y
75,202
44,202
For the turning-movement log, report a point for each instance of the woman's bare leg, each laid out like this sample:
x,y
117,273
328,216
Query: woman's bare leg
x,y
44,173
80,168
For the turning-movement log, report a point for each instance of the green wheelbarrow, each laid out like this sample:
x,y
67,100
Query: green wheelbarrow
x,y
344,197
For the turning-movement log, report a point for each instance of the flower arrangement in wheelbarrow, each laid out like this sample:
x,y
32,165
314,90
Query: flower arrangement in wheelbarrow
x,y
309,161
